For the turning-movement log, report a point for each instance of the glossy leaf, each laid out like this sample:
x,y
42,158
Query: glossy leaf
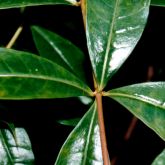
x,y
69,122
160,159
15,152
59,50
26,76
22,3
146,101
113,28
158,3
83,144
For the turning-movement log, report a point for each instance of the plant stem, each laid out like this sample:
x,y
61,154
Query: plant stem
x,y
130,128
102,129
15,36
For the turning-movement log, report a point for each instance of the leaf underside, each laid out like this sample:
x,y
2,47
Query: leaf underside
x,y
113,28
22,3
59,50
83,144
27,76
146,101
15,151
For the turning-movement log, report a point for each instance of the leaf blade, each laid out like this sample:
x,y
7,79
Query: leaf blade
x,y
23,3
12,153
77,148
59,50
111,36
146,102
27,76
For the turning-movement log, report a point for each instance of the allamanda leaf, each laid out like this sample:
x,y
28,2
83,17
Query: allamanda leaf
x,y
26,76
160,159
22,3
59,50
83,144
158,3
113,28
146,101
15,151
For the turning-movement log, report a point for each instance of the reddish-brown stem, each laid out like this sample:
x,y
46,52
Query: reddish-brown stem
x,y
102,129
130,128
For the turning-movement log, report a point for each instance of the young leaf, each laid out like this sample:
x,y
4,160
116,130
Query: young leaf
x,y
27,76
59,50
83,144
146,101
160,159
22,3
113,28
158,3
12,153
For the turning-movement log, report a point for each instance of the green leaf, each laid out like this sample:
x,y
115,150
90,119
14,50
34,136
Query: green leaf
x,y
158,3
146,101
22,3
113,28
27,76
160,159
12,153
59,50
69,122
83,145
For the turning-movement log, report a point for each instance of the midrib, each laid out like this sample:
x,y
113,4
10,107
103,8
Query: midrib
x,y
135,98
109,44
88,137
70,83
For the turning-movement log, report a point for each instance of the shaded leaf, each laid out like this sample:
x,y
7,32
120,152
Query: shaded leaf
x,y
69,122
83,144
160,159
146,101
27,76
22,3
113,28
12,153
158,3
59,50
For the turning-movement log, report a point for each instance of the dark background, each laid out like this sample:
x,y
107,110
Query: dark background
x,y
39,117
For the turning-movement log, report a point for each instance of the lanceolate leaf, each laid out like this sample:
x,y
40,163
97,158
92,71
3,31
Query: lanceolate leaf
x,y
113,28
146,101
83,147
27,76
158,3
160,159
15,151
59,50
22,3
